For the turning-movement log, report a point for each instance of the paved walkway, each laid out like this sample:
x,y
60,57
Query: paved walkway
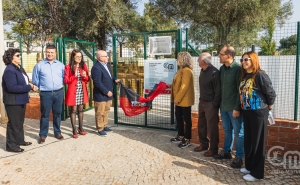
x,y
129,155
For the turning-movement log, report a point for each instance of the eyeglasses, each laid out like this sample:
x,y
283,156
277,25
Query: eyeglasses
x,y
78,57
244,60
18,55
104,56
222,54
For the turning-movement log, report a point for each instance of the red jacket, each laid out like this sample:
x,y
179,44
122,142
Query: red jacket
x,y
71,80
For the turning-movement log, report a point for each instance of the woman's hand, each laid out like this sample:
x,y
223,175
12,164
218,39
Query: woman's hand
x,y
83,74
76,70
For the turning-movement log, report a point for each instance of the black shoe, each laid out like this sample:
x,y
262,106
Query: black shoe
x,y
236,163
15,150
26,143
176,139
184,143
223,155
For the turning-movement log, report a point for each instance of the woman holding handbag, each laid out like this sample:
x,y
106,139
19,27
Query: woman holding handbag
x,y
76,77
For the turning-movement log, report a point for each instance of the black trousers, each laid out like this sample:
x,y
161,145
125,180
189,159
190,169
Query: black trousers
x,y
184,114
255,131
15,129
208,130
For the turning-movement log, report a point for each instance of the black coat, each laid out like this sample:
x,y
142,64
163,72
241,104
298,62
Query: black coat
x,y
15,89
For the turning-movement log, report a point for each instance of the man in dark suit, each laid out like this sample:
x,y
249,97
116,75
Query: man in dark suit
x,y
103,91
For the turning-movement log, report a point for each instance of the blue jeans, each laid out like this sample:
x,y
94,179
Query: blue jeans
x,y
233,127
54,101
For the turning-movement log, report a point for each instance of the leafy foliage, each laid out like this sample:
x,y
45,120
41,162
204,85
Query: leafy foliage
x,y
288,46
234,22
267,44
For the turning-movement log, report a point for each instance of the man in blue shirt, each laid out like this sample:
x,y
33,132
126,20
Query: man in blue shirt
x,y
48,76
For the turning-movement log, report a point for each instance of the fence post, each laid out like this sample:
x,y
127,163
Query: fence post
x,y
59,48
115,58
253,47
297,74
179,41
186,39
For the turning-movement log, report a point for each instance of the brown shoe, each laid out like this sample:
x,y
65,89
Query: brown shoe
x,y
59,136
209,153
200,148
42,140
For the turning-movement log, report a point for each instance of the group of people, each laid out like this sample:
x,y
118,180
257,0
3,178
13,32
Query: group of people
x,y
49,77
243,93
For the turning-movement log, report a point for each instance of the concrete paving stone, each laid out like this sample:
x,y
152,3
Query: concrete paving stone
x,y
129,155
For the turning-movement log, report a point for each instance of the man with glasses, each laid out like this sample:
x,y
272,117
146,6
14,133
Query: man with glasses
x,y
48,76
103,91
230,107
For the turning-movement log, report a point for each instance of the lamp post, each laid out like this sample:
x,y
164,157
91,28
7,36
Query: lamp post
x,y
2,66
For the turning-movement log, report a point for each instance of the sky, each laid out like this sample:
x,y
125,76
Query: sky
x,y
295,17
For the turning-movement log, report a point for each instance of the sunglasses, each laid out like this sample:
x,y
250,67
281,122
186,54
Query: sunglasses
x,y
18,55
244,60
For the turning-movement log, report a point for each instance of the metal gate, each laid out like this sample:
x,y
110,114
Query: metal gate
x,y
129,54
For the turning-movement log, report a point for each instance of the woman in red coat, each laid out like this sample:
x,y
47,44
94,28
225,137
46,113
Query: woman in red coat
x,y
76,77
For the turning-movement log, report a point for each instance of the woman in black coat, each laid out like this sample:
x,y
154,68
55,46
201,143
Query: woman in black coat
x,y
15,86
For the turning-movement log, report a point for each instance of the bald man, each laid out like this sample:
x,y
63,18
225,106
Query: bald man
x,y
103,91
208,108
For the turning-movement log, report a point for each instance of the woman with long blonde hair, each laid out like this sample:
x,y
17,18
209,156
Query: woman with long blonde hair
x,y
183,96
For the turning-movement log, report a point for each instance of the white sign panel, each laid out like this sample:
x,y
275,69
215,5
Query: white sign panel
x,y
156,71
160,45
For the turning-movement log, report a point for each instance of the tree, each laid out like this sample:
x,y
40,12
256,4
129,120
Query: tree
x,y
288,46
30,15
227,19
104,19
26,31
267,44
93,20
154,20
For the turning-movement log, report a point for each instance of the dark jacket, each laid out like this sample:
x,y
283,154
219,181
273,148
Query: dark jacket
x,y
15,89
102,81
257,93
210,85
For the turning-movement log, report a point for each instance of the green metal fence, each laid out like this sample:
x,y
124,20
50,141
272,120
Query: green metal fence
x,y
129,54
279,57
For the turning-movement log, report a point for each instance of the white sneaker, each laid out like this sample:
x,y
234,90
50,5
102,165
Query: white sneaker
x,y
249,177
244,170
